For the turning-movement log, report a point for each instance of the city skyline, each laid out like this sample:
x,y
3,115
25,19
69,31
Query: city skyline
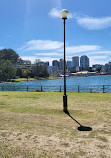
x,y
34,29
52,63
78,64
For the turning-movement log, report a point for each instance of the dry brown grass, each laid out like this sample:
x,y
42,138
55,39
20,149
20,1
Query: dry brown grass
x,y
33,125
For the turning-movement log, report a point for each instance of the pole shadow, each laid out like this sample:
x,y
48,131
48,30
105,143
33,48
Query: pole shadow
x,y
81,127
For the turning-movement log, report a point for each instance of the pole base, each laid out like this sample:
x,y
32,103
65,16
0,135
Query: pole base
x,y
65,104
84,128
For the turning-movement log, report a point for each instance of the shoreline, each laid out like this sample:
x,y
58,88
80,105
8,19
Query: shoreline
x,y
49,78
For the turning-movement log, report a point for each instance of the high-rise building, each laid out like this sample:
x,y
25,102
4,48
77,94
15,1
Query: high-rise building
x,y
61,64
75,61
84,62
52,69
46,63
69,64
55,63
109,67
75,64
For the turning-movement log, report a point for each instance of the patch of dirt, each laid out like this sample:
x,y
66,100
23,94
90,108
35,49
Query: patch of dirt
x,y
87,145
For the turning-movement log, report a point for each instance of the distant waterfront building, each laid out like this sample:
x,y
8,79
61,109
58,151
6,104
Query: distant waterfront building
x,y
108,66
26,62
74,69
84,62
25,67
75,61
61,64
96,66
69,64
52,69
75,64
46,63
23,62
41,63
55,63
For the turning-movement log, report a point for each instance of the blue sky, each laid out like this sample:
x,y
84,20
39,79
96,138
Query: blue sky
x,y
34,29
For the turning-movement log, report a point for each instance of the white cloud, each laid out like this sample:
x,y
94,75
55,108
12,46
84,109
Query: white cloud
x,y
92,23
31,58
41,45
55,12
48,54
98,57
50,59
81,48
98,60
99,52
47,50
93,62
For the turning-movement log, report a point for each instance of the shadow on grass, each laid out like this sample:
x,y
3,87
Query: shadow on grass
x,y
81,127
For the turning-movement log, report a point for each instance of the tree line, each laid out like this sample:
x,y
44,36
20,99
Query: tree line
x,y
8,58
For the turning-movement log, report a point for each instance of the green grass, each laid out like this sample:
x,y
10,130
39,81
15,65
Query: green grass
x,y
33,124
32,79
22,79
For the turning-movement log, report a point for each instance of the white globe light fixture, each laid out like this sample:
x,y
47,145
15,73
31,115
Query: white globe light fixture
x,y
64,14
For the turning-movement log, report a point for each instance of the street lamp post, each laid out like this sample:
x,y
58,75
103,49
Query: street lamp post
x,y
64,15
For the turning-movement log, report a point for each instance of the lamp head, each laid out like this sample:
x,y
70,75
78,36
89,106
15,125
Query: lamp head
x,y
64,14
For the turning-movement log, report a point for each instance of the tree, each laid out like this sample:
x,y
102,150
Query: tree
x,y
40,70
26,73
19,72
90,69
37,61
7,71
9,54
1,75
99,69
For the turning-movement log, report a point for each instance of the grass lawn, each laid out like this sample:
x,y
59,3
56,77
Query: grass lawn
x,y
22,79
33,125
33,79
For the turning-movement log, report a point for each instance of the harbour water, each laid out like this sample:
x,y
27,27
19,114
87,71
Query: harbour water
x,y
100,83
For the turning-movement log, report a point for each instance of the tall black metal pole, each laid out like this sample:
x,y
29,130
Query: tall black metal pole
x,y
64,96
